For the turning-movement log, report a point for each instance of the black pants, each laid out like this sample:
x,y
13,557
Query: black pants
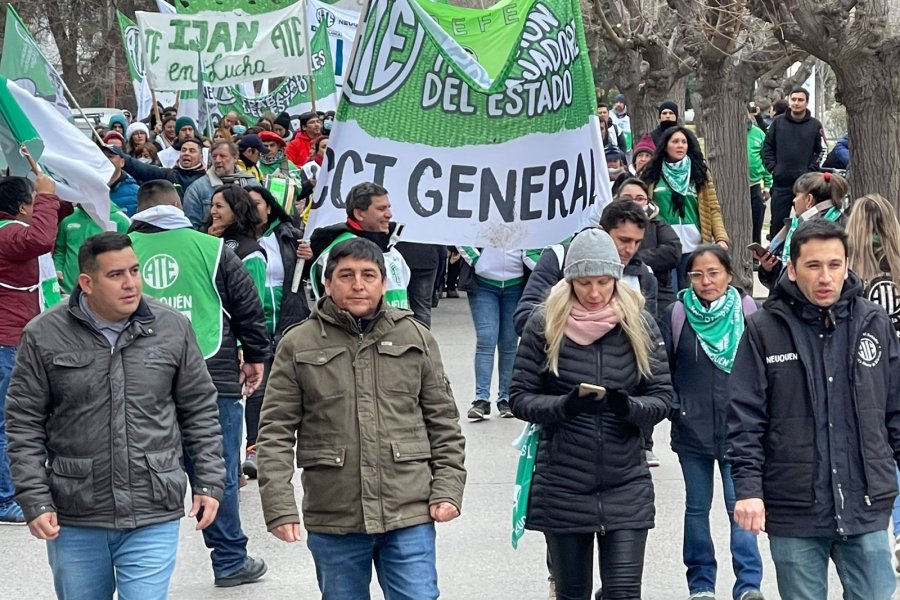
x,y
782,202
439,277
757,210
453,275
420,290
254,405
621,563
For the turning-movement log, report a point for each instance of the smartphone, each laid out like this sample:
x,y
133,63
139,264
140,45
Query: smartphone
x,y
757,249
586,389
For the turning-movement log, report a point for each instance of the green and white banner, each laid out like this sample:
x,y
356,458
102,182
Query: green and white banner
x,y
134,53
481,124
23,62
234,47
293,94
74,161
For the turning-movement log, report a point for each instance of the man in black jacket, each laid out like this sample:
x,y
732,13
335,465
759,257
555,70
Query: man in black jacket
x,y
794,145
199,275
814,424
188,169
108,391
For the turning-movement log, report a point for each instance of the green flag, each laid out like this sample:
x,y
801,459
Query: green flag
x,y
23,63
16,131
322,62
131,40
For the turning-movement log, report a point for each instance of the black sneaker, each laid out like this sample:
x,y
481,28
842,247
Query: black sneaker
x,y
503,409
479,410
253,569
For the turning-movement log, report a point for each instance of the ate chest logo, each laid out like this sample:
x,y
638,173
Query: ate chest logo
x,y
869,351
160,272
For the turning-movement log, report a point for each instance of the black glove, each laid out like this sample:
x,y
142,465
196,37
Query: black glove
x,y
617,400
576,404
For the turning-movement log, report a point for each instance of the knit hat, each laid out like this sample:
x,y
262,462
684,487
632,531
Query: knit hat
x,y
113,135
670,105
621,98
284,120
134,128
592,253
613,153
182,122
645,144
120,119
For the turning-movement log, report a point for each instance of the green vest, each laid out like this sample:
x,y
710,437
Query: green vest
x,y
397,274
73,231
47,285
178,267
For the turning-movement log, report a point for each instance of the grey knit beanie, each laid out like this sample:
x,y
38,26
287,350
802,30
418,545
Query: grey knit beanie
x,y
592,253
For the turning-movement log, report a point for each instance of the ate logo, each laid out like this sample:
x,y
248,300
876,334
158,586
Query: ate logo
x,y
869,351
160,272
326,15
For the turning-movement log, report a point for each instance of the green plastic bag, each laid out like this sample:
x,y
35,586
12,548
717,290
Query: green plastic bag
x,y
526,444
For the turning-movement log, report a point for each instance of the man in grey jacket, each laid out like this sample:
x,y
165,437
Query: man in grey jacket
x,y
105,391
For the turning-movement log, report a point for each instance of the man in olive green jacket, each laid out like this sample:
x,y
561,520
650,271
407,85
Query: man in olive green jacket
x,y
360,389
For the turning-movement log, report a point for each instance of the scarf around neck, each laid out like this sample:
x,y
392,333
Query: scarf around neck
x,y
832,214
678,176
719,327
274,160
584,327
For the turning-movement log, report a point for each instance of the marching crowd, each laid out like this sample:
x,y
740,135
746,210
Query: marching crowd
x,y
109,395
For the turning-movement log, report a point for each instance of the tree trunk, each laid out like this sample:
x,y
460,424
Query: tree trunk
x,y
870,87
725,124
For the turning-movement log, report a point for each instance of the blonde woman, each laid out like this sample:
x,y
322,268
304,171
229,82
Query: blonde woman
x,y
591,477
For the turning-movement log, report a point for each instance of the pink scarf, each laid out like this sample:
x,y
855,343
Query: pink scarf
x,y
585,327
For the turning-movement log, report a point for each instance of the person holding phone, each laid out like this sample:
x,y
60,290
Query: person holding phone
x,y
591,477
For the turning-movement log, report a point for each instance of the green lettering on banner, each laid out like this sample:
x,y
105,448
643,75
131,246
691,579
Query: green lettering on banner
x,y
178,268
289,37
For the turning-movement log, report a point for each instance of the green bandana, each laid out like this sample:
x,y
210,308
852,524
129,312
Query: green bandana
x,y
832,214
719,327
678,176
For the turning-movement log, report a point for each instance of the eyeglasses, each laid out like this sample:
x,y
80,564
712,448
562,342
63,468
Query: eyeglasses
x,y
638,199
697,276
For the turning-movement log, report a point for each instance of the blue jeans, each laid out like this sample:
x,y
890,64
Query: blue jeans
x,y
863,564
224,535
404,560
7,361
895,513
89,563
492,313
699,553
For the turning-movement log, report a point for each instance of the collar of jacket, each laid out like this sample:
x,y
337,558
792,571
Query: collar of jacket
x,y
326,310
787,297
143,316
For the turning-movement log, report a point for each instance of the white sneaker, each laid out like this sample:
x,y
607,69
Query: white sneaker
x,y
702,596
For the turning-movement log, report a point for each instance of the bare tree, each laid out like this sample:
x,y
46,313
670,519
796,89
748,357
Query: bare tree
x,y
646,53
856,39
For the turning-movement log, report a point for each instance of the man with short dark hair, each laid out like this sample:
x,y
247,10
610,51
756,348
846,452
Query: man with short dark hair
x,y
188,170
223,171
793,146
251,149
368,216
203,278
299,150
109,390
28,224
814,424
359,400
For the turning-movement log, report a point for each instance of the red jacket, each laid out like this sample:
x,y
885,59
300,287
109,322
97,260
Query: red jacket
x,y
20,248
297,150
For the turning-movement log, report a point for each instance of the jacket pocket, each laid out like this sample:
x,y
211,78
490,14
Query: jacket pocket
x,y
167,479
406,482
398,368
320,457
72,484
409,451
326,372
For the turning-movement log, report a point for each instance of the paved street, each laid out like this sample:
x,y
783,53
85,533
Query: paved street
x,y
475,559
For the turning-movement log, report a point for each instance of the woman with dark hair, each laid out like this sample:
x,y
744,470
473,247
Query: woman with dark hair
x,y
282,305
234,218
701,332
816,196
684,192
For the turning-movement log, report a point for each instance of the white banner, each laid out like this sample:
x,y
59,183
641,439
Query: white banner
x,y
73,160
234,47
505,195
342,24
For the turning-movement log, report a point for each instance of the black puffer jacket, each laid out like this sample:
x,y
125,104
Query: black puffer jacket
x,y
661,251
549,271
242,319
294,306
591,474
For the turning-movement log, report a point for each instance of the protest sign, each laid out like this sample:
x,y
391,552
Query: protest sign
x,y
480,123
23,62
233,47
131,41
74,161
341,24
293,94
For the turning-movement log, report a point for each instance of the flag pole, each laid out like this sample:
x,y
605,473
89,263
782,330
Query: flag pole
x,y
312,78
81,112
